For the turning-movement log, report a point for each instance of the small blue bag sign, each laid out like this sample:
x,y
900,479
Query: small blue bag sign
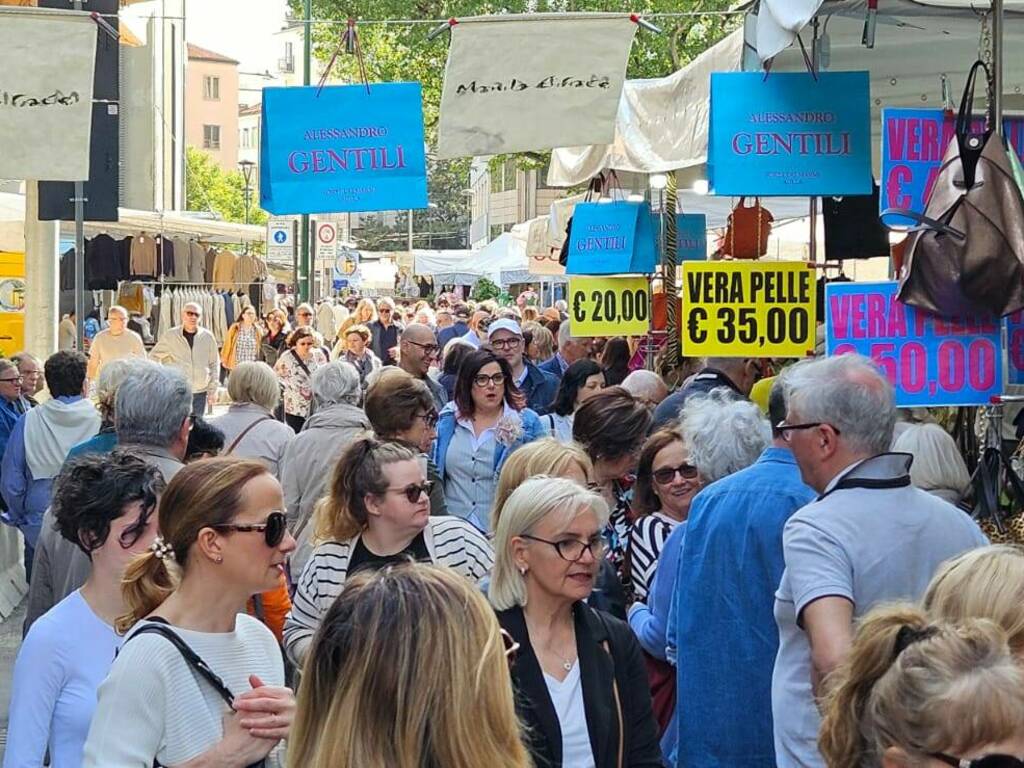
x,y
691,237
789,134
914,141
614,238
342,148
929,360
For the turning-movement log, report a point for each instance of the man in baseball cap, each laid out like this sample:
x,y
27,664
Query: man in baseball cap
x,y
506,339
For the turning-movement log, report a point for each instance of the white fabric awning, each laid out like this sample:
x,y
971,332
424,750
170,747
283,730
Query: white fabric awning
x,y
503,254
430,263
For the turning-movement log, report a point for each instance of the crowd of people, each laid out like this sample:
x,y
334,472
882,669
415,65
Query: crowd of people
x,y
457,535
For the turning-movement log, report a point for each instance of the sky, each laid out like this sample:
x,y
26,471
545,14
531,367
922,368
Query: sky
x,y
241,29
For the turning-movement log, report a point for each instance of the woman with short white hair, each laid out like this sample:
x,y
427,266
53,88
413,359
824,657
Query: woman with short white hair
x,y
582,686
722,434
938,467
249,427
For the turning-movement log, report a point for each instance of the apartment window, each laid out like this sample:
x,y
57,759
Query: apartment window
x,y
211,137
211,88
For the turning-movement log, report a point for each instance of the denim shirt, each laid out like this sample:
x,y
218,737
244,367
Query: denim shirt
x,y
722,624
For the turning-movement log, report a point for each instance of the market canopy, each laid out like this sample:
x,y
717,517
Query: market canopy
x,y
915,43
503,254
430,263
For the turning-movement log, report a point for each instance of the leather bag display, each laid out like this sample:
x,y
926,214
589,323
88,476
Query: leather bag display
x,y
966,254
747,234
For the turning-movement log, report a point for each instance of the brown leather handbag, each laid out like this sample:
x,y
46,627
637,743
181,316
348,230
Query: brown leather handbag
x,y
966,254
747,234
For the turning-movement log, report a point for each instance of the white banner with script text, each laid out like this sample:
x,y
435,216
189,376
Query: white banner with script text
x,y
47,61
530,83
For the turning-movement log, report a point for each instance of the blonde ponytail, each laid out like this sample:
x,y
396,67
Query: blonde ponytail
x,y
148,581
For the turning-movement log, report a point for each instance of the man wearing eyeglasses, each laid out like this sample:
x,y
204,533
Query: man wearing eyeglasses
x,y
385,332
115,343
193,351
870,537
506,337
417,350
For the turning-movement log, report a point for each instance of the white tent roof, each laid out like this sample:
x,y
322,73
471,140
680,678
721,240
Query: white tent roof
x,y
503,254
433,262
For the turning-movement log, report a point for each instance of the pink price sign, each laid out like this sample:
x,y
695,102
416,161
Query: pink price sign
x,y
930,361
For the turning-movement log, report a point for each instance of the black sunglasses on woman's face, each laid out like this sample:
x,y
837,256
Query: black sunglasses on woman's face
x,y
989,761
273,529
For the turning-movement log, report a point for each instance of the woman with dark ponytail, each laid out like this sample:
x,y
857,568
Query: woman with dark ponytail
x,y
914,694
198,682
376,513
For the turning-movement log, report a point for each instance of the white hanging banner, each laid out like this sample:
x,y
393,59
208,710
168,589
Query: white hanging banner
x,y
521,83
46,75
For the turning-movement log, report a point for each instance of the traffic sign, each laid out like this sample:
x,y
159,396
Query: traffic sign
x,y
281,239
326,240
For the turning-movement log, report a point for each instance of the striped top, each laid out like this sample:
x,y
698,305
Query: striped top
x,y
646,539
451,542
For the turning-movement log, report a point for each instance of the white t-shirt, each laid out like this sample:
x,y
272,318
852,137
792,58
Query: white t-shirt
x,y
567,698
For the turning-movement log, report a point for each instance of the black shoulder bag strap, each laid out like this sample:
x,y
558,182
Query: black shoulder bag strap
x,y
161,627
299,360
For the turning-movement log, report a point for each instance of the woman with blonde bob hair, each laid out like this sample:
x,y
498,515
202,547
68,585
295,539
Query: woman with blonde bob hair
x,y
369,699
376,512
222,539
984,583
582,686
915,694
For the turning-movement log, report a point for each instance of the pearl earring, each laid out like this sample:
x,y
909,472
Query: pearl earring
x,y
219,560
522,570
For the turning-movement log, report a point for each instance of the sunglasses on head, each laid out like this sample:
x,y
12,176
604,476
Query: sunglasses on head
x,y
414,491
511,646
273,529
989,761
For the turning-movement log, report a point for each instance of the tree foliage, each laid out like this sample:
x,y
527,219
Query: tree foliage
x,y
210,188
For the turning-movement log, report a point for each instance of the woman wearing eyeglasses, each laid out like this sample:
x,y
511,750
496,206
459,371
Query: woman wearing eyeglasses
x,y
666,483
104,505
376,513
924,695
477,431
368,698
580,682
295,369
196,678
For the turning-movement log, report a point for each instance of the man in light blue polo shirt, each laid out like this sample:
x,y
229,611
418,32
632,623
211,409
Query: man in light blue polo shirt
x,y
869,537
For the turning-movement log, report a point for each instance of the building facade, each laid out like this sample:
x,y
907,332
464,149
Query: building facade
x,y
211,105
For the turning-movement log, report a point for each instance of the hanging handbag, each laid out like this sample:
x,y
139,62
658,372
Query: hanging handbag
x,y
965,256
593,188
746,236
1002,523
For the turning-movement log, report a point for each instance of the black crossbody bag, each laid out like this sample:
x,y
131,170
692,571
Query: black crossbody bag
x,y
162,628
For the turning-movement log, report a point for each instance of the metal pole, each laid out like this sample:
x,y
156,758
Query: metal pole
x,y
79,200
306,269
997,64
410,231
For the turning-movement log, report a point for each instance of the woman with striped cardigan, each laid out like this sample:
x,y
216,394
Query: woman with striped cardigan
x,y
376,513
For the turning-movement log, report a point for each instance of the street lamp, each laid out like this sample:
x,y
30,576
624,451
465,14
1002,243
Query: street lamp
x,y
247,167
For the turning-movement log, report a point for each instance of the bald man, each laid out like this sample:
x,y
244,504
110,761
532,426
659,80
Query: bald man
x,y
417,349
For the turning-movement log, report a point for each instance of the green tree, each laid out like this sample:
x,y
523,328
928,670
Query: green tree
x,y
210,188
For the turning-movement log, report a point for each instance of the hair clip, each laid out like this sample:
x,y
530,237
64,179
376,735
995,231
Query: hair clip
x,y
161,549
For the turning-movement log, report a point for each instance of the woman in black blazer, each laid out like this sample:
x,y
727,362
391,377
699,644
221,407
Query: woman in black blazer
x,y
579,675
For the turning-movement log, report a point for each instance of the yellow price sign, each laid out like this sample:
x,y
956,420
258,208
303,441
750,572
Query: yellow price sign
x,y
609,306
735,309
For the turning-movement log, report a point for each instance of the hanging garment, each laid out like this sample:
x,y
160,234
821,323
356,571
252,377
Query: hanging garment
x,y
143,256
132,297
852,227
102,263
182,260
165,256
196,263
224,270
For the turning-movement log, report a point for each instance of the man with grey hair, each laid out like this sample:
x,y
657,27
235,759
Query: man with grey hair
x,y
646,386
570,349
192,350
157,435
31,371
737,374
311,456
116,342
869,537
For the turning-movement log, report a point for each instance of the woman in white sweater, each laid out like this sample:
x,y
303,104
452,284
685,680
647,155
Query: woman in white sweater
x,y
376,513
223,538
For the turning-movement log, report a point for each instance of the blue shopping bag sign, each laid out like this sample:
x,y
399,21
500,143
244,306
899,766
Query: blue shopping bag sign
x,y
611,239
691,237
790,134
342,148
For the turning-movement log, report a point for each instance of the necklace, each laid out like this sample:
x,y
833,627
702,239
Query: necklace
x,y
566,664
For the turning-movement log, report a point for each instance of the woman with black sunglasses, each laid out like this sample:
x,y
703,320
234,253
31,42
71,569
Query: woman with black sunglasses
x,y
919,694
196,677
105,505
377,513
